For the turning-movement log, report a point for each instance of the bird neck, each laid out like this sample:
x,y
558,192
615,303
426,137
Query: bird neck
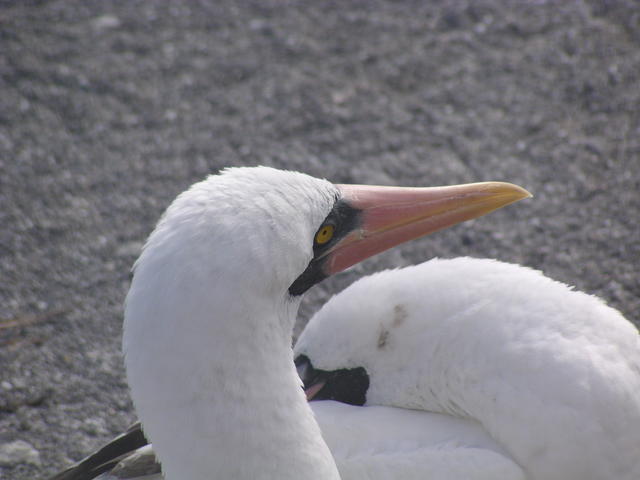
x,y
213,381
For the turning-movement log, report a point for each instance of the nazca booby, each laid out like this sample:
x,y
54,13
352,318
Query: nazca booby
x,y
552,374
210,312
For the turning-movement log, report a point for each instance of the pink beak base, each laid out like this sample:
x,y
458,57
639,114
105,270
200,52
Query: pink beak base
x,y
313,390
394,215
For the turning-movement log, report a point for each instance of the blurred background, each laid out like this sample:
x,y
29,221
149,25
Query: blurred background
x,y
108,109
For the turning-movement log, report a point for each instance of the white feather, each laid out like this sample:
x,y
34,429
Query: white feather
x,y
382,443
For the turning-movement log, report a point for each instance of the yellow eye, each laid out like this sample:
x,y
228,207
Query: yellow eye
x,y
324,234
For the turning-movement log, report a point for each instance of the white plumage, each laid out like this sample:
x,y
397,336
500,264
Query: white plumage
x,y
382,443
209,316
207,329
482,370
552,374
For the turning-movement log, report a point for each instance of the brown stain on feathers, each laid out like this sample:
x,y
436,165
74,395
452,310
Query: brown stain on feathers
x,y
400,314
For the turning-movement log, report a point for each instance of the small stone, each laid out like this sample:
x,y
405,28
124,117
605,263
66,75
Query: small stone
x,y
106,22
94,426
18,452
129,249
257,24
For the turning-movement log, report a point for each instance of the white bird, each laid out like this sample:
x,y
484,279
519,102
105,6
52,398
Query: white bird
x,y
210,312
551,374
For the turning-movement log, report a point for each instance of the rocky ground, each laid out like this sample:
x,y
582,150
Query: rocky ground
x,y
108,109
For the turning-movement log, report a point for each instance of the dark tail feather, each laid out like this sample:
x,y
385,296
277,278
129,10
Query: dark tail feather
x,y
107,457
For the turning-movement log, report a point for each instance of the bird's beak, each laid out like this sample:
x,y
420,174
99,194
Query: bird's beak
x,y
394,215
313,390
348,384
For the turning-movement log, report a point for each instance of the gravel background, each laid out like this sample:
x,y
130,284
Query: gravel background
x,y
108,109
